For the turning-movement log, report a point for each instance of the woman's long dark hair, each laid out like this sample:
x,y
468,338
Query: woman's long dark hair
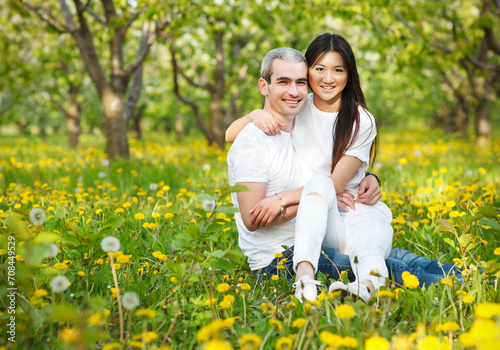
x,y
352,95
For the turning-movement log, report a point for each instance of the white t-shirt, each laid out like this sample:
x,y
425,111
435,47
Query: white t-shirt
x,y
312,137
256,157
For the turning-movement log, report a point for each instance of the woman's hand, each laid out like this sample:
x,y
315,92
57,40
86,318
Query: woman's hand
x,y
264,212
266,122
345,200
369,191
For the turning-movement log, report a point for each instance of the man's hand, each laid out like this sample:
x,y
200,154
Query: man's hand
x,y
264,211
369,191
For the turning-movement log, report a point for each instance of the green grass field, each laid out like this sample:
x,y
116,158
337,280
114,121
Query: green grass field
x,y
180,255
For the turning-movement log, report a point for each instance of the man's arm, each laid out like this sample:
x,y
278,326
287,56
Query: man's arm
x,y
248,200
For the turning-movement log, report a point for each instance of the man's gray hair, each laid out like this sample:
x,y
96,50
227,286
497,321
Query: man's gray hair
x,y
281,53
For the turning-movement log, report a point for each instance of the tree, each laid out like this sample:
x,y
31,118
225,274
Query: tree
x,y
458,40
87,23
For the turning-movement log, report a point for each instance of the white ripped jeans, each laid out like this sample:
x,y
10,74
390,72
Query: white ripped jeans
x,y
365,234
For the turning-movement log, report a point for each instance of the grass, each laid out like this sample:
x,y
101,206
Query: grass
x,y
194,287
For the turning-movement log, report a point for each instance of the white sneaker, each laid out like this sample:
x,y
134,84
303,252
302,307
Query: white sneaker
x,y
354,288
305,288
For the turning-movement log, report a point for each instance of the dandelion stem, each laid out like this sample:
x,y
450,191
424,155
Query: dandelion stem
x,y
117,287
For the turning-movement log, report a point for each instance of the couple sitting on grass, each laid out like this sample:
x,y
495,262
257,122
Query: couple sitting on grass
x,y
303,158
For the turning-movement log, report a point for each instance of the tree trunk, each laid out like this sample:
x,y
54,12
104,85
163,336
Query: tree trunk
x,y
137,122
115,126
179,128
483,122
73,117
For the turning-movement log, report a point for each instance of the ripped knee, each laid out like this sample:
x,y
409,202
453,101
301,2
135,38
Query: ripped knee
x,y
314,194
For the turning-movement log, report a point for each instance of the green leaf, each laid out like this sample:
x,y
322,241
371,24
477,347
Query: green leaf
x,y
46,237
450,242
17,226
489,211
444,225
220,264
204,197
465,239
192,231
63,312
179,244
472,218
492,223
227,209
113,223
218,253
177,268
459,221
232,189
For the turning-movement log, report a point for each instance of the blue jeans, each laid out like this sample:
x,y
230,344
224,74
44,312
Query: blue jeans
x,y
332,263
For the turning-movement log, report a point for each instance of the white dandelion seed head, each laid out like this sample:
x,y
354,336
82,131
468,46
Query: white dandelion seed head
x,y
399,167
38,216
130,300
105,162
77,190
80,179
206,167
209,205
71,295
102,175
417,153
469,173
110,244
53,251
59,284
377,166
153,186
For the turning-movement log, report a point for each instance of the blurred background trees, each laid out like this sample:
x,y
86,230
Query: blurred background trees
x,y
115,67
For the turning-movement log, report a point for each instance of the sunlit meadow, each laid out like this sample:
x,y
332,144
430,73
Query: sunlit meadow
x,y
144,254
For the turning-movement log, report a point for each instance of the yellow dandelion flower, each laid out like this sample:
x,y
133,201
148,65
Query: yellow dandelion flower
x,y
276,323
218,344
299,323
385,294
377,343
135,344
275,277
98,211
222,287
468,299
139,216
145,313
447,282
69,335
95,319
345,311
467,340
497,251
349,342
112,346
245,286
409,280
99,262
147,337
41,293
278,255
448,327
330,339
487,310
284,343
119,211
250,341
211,301
210,331
60,266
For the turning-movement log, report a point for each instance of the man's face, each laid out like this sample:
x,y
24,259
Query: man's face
x,y
286,93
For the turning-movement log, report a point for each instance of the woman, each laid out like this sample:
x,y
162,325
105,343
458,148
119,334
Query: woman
x,y
334,138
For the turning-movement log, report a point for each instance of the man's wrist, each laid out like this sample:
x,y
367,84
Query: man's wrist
x,y
376,176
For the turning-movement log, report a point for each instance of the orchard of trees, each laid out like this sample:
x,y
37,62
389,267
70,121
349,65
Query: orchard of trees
x,y
117,66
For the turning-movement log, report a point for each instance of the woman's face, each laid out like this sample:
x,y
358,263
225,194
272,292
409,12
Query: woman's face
x,y
328,78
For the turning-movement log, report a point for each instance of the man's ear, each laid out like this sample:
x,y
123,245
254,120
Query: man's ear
x,y
263,86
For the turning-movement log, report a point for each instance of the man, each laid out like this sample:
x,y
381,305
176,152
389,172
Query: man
x,y
266,165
